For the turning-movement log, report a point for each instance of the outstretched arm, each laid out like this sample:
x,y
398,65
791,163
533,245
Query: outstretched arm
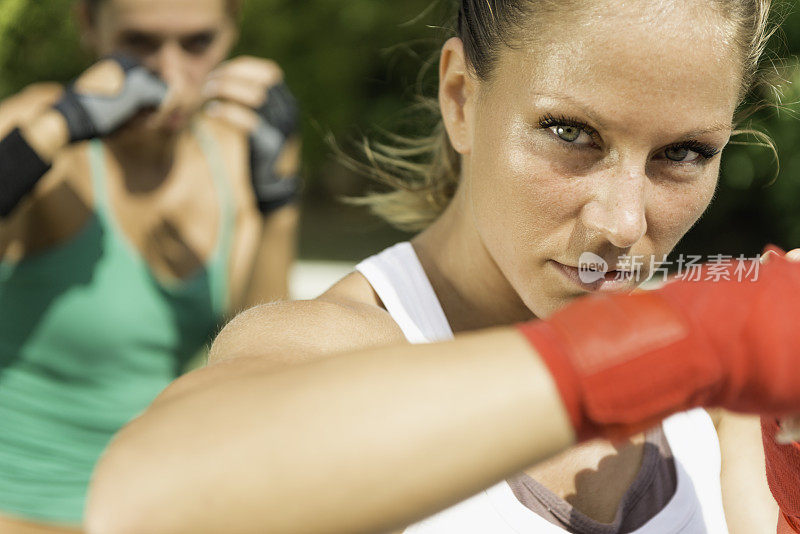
x,y
310,448
358,443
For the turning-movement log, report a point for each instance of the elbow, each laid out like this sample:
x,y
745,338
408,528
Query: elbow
x,y
134,488
220,345
117,503
235,337
104,517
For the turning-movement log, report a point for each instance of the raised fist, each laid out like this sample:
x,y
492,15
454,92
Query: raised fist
x,y
249,92
108,95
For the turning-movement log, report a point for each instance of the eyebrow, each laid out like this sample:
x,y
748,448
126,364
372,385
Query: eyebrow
x,y
714,128
586,111
718,127
156,35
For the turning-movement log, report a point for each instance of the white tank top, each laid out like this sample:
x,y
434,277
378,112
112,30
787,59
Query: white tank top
x,y
398,278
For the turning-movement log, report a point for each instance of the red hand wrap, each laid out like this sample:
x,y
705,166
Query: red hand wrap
x,y
787,526
783,473
624,362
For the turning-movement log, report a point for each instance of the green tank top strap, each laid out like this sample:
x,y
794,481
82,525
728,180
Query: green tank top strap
x,y
217,264
98,172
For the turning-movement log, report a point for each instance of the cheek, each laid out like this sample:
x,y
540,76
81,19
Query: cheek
x,y
198,69
201,65
520,195
524,209
676,207
105,42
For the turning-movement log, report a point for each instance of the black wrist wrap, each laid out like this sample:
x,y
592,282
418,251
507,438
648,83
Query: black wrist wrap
x,y
20,169
280,109
79,123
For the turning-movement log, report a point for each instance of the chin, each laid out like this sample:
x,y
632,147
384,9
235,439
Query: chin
x,y
165,130
543,306
170,131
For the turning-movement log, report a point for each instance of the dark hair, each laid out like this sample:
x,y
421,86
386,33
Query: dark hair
x,y
486,25
425,172
233,5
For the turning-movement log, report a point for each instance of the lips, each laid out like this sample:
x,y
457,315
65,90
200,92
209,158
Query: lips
x,y
615,280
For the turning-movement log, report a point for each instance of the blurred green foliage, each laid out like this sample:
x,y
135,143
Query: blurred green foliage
x,y
335,54
353,65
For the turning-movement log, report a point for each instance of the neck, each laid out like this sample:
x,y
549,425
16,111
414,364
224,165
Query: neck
x,y
145,158
472,290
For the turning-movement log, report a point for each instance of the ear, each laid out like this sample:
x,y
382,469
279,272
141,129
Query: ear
x,y
232,35
84,19
235,7
456,95
230,30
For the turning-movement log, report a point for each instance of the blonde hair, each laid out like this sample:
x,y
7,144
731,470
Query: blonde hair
x,y
424,172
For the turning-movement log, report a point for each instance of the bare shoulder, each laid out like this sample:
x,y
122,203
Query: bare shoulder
x,y
271,337
347,317
26,104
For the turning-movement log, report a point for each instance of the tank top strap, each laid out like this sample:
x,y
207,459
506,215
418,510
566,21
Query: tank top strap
x,y
218,263
98,171
397,276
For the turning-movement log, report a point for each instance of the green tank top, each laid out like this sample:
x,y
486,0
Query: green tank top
x,y
88,337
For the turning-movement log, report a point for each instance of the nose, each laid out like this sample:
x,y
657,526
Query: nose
x,y
616,211
171,65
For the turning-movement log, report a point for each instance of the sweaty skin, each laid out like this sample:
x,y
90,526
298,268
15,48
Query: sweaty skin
x,y
272,416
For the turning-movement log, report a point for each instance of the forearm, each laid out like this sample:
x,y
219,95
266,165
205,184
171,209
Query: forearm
x,y
441,421
47,134
276,253
749,506
394,434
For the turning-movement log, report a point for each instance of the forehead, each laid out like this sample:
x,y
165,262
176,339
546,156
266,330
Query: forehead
x,y
631,63
164,16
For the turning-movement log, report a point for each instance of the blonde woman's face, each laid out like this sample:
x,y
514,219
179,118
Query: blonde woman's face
x,y
603,137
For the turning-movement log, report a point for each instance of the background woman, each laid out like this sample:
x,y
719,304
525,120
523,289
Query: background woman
x,y
570,128
134,221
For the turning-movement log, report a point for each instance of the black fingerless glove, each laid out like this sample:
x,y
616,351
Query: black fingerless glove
x,y
279,120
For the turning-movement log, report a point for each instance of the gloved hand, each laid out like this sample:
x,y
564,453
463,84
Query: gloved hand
x,y
108,105
250,93
782,450
624,362
278,121
783,473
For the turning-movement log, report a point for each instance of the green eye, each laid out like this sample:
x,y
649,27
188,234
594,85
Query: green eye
x,y
571,131
677,153
569,134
